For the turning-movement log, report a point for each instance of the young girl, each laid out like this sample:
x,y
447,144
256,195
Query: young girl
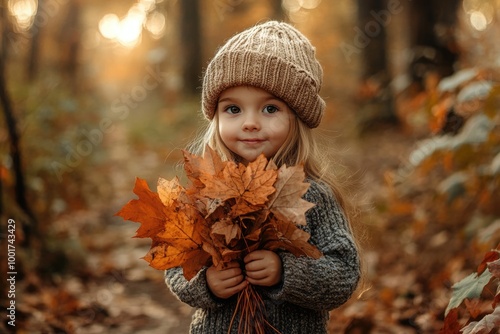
x,y
260,93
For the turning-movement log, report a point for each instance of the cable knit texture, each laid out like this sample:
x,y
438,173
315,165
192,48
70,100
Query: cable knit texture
x,y
273,56
310,288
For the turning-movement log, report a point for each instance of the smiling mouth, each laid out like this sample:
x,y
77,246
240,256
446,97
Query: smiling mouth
x,y
252,141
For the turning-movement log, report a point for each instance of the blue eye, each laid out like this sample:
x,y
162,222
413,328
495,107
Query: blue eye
x,y
232,110
270,109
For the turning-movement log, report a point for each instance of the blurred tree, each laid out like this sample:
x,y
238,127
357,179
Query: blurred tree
x,y
33,56
432,38
70,41
29,220
278,12
431,45
371,38
374,55
190,41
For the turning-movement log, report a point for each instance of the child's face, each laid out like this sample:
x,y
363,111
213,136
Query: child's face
x,y
252,121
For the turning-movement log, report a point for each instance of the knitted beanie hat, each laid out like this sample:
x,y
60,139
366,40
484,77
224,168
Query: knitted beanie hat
x,y
273,56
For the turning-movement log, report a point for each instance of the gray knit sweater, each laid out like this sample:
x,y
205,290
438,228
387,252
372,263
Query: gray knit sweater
x,y
309,289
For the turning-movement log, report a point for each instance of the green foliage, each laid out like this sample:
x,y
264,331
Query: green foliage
x,y
469,288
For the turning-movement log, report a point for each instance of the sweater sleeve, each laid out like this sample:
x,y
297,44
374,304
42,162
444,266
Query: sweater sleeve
x,y
194,292
327,282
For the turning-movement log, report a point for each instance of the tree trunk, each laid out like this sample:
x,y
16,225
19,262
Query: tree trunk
x,y
14,143
34,52
431,36
378,107
191,45
278,12
70,41
374,55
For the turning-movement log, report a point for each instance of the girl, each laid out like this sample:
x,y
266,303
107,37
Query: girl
x,y
261,95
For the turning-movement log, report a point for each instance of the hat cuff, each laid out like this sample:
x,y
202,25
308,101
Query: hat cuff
x,y
283,79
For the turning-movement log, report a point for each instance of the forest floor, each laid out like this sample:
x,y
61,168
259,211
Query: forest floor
x,y
117,292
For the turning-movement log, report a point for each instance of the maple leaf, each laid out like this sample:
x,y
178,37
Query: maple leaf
x,y
177,235
228,211
286,236
470,287
163,257
252,183
210,163
148,209
169,191
287,203
228,229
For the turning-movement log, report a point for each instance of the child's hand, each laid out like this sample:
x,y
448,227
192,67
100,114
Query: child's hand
x,y
227,282
263,267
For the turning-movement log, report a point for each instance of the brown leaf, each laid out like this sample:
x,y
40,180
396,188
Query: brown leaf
x,y
228,211
228,229
492,262
287,203
287,236
451,324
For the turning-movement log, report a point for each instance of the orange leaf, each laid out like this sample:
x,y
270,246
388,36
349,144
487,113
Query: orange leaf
x,y
164,257
168,190
228,211
251,183
148,210
177,235
210,163
184,229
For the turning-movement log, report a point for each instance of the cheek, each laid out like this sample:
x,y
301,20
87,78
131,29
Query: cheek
x,y
226,132
280,126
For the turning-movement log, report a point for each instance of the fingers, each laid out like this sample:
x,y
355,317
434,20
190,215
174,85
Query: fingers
x,y
227,288
263,268
225,283
255,255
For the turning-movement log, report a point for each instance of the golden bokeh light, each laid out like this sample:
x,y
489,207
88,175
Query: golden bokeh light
x,y
24,12
128,30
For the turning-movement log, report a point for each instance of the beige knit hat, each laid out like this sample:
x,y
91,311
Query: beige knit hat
x,y
273,56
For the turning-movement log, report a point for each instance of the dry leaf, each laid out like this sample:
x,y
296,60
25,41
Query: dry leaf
x,y
228,211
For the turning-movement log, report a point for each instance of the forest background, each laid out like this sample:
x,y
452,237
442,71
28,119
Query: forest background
x,y
96,93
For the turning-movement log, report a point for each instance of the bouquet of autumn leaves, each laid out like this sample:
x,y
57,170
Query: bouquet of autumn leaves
x,y
227,211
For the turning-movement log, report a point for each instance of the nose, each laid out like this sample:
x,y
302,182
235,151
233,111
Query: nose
x,y
251,122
